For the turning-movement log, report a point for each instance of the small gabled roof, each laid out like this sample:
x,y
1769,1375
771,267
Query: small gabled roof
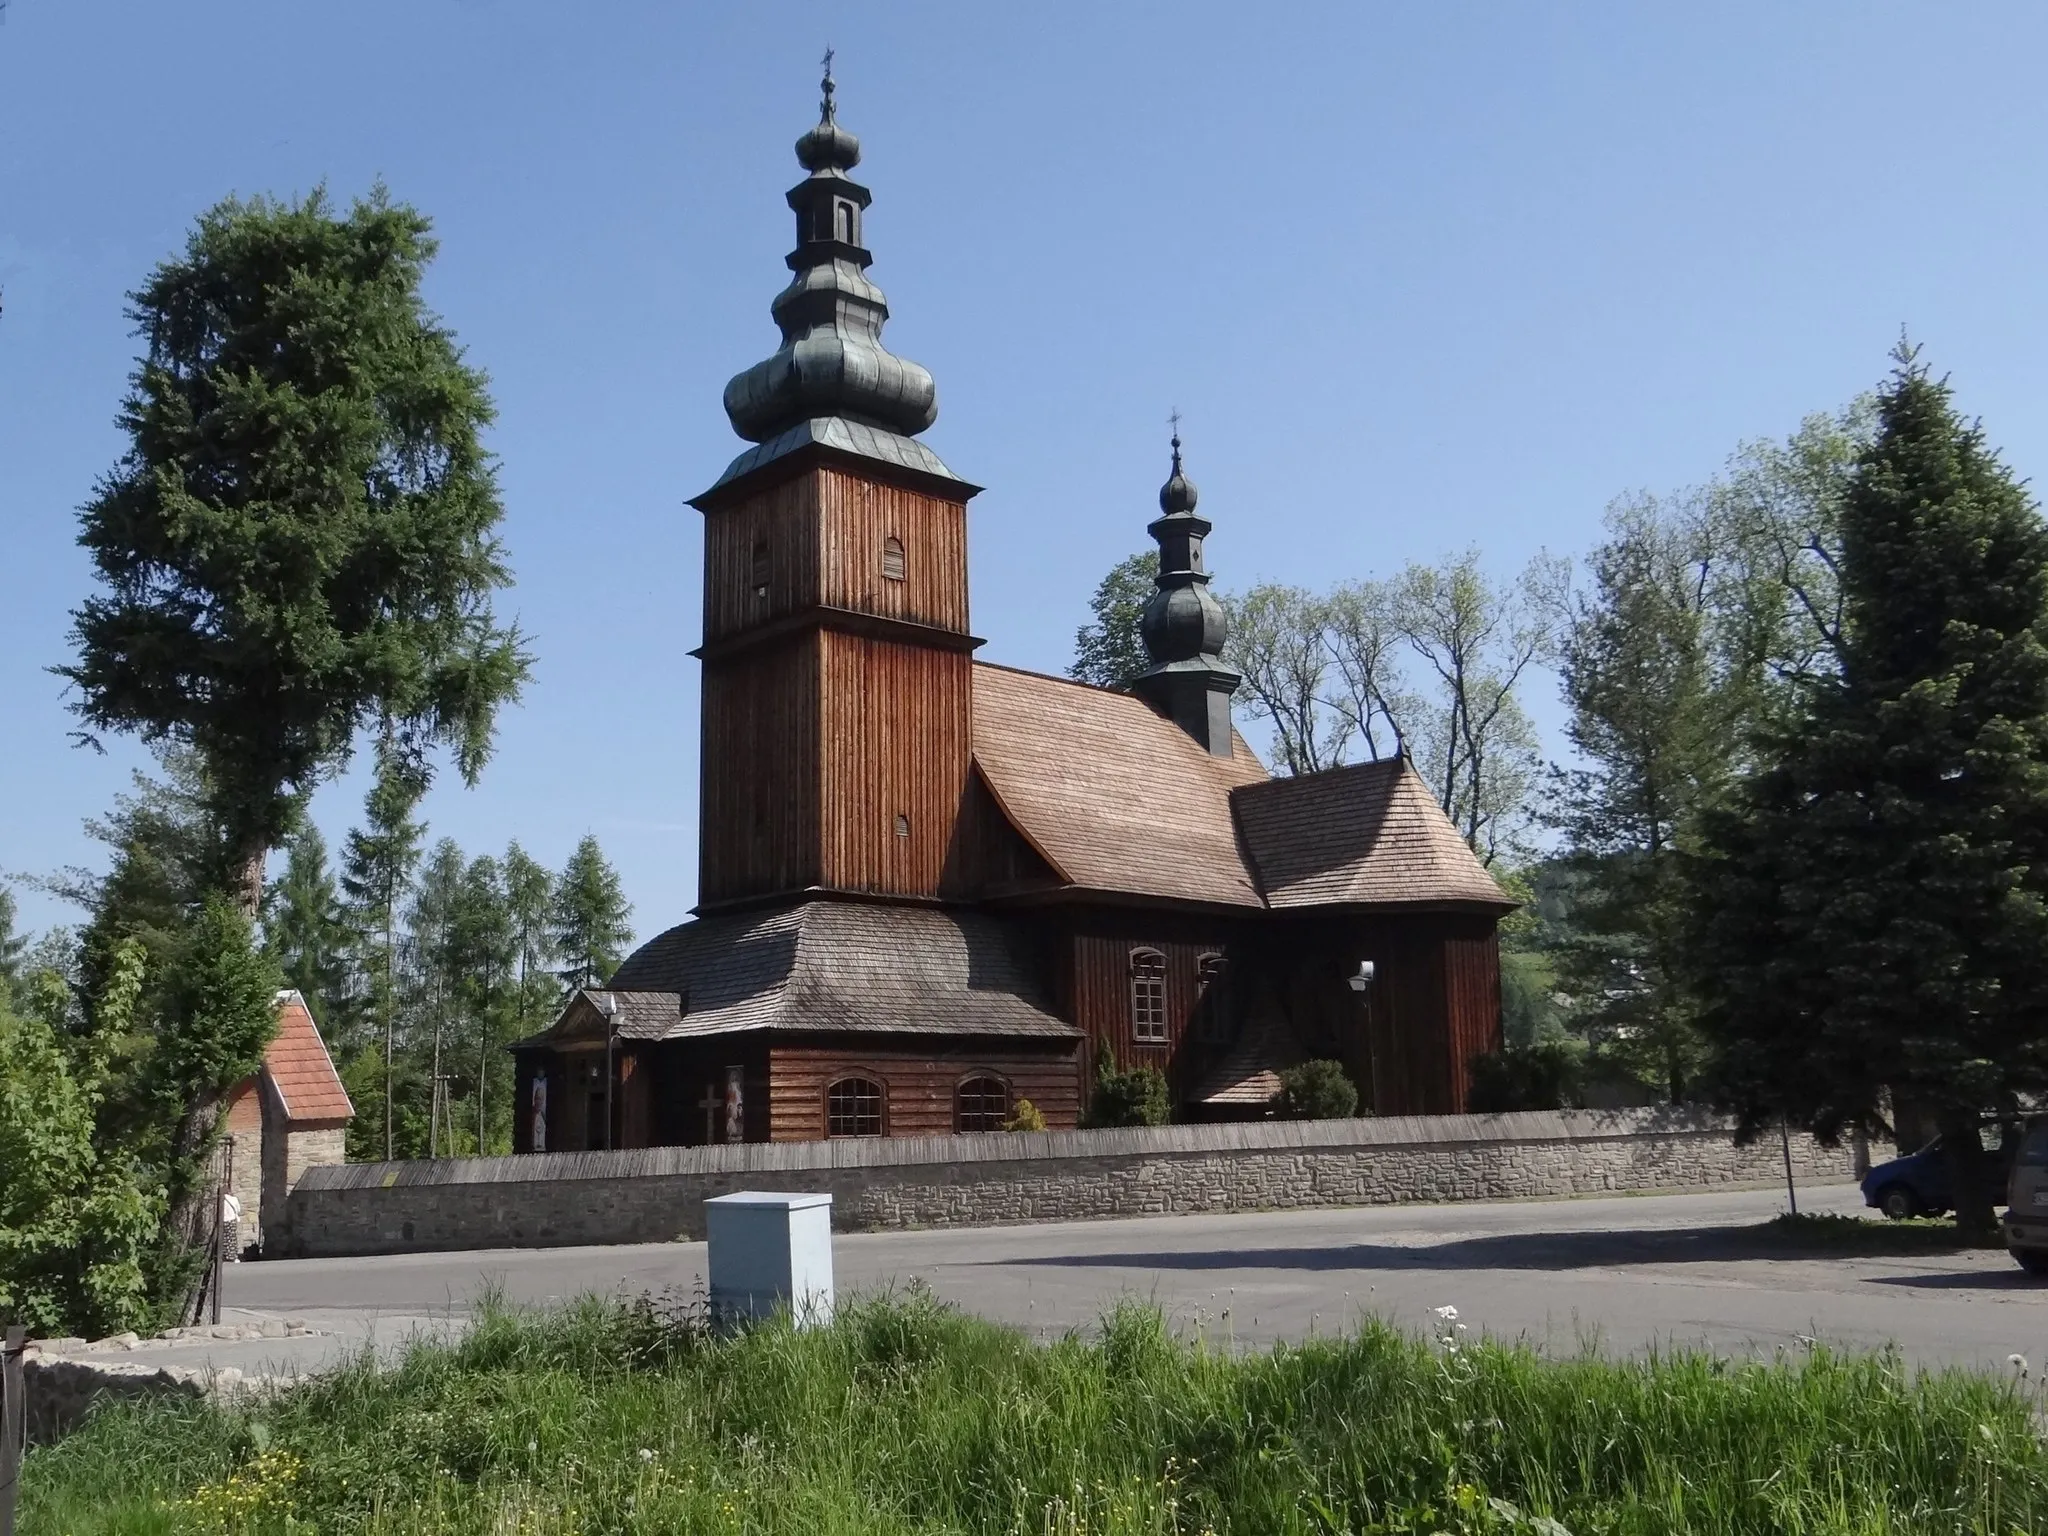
x,y
1114,796
823,965
300,1071
1367,835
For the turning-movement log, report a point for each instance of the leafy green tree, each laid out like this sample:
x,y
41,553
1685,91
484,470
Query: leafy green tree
x,y
378,860
12,945
439,958
1317,1090
78,1222
303,928
489,955
589,915
1278,644
299,541
1108,651
1872,907
1654,727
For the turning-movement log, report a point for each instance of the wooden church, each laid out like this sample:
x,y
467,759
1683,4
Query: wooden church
x,y
931,887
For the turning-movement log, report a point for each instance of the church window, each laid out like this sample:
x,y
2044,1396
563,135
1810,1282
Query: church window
x,y
853,1107
1212,1014
845,230
759,574
902,826
981,1104
892,558
1148,996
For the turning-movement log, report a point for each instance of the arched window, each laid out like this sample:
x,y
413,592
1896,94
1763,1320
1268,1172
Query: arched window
x,y
981,1104
847,231
1212,1013
892,558
1148,996
853,1107
759,581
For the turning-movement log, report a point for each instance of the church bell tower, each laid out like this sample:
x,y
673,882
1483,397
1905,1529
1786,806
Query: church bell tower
x,y
837,656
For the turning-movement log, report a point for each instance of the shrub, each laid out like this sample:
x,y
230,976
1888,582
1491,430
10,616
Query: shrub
x,y
1026,1117
1546,1074
1137,1097
1316,1090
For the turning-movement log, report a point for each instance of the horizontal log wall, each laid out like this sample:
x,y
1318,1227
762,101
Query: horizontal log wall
x,y
918,1086
657,1195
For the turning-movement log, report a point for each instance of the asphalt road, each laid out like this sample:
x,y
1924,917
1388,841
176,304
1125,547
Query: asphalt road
x,y
1627,1274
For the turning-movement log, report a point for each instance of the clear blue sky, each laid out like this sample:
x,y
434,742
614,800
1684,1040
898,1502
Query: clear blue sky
x,y
1420,277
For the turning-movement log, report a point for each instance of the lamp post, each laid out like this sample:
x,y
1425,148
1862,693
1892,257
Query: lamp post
x,y
608,1005
1361,984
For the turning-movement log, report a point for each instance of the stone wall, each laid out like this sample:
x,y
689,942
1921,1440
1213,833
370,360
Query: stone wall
x,y
567,1198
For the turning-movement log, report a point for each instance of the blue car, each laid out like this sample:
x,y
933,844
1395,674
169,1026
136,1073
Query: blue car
x,y
1910,1186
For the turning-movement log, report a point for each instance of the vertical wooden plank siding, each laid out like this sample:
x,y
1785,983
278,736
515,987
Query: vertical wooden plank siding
x,y
857,517
760,772
786,517
1472,980
1101,994
895,738
918,1082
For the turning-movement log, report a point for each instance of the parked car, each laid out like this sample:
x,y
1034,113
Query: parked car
x,y
1915,1185
2026,1201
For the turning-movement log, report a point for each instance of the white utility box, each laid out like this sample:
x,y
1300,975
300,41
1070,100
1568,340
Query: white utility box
x,y
767,1250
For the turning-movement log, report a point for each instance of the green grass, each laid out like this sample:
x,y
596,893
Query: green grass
x,y
907,1417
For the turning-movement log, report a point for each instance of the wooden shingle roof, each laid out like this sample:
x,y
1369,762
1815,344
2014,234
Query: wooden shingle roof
x,y
1368,835
826,965
299,1068
1116,797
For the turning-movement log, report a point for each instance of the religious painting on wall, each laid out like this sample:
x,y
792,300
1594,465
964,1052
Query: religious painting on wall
x,y
735,1106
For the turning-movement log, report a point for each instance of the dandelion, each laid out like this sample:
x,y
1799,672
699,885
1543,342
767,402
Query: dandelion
x,y
1448,1314
645,1454
2018,1363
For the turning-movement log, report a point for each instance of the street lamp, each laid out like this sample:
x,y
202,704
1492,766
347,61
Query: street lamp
x,y
1361,984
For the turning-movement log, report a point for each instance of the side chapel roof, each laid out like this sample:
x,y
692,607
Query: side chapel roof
x,y
299,1068
1121,800
1115,796
825,965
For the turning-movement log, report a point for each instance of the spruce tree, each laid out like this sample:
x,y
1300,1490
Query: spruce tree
x,y
300,538
1873,906
589,924
304,930
529,895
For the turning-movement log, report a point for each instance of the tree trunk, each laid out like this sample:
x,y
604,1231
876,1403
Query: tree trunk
x,y
249,865
1969,1176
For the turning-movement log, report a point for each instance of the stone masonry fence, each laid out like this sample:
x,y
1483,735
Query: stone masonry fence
x,y
568,1198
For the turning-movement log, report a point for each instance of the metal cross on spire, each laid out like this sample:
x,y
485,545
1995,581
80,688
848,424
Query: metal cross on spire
x,y
1174,419
826,86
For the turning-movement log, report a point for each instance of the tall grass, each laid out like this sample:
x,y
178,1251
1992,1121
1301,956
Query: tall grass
x,y
906,1417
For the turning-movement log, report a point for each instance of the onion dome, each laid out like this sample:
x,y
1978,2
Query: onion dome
x,y
1184,627
831,363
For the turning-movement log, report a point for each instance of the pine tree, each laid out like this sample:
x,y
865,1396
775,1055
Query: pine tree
x,y
1108,651
529,897
304,929
1873,907
377,864
589,913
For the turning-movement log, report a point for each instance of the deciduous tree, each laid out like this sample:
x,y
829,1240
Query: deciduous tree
x,y
1108,651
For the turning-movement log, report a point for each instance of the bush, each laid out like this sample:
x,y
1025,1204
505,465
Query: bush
x,y
1137,1097
1316,1090
1026,1117
1548,1074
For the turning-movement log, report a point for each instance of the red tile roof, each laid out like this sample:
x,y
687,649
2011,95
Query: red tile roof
x,y
1116,797
299,1067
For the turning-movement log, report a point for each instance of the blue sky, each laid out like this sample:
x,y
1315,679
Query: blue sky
x,y
1419,277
